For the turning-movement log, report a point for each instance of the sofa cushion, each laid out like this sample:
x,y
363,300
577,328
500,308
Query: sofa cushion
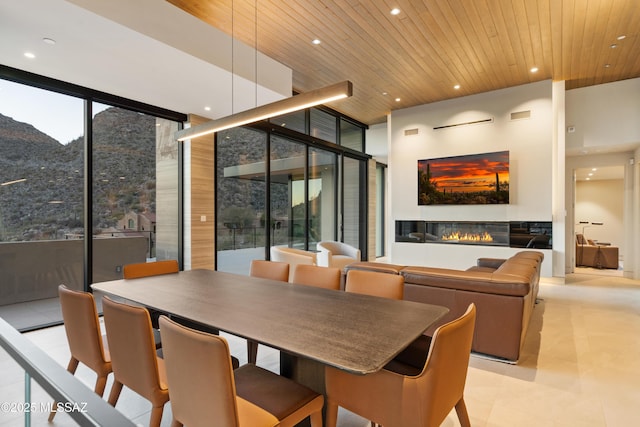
x,y
473,281
379,267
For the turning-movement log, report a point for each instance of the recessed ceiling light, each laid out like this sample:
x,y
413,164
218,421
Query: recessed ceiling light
x,y
456,87
588,179
316,41
534,69
207,108
397,99
622,37
395,11
29,55
47,40
594,169
385,93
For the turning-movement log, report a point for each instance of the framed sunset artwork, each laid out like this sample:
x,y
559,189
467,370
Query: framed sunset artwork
x,y
474,179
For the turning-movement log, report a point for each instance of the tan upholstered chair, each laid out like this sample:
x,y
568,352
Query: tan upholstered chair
x,y
206,391
320,277
145,269
377,284
273,270
292,257
336,254
423,400
86,343
133,356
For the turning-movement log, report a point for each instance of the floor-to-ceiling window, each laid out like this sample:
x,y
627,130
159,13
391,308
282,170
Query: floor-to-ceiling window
x,y
41,188
287,193
48,234
322,195
354,201
240,197
299,180
135,189
380,208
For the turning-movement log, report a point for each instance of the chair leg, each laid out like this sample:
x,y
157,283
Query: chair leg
x,y
156,416
316,419
331,415
252,351
101,383
116,388
463,416
71,367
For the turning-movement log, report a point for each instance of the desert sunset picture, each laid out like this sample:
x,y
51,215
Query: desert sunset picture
x,y
470,179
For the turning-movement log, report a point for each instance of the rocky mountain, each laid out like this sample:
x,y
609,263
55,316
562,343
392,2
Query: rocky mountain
x,y
49,200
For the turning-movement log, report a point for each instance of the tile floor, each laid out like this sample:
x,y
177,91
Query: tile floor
x,y
581,365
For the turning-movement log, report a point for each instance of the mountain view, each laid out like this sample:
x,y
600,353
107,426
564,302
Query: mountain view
x,y
42,180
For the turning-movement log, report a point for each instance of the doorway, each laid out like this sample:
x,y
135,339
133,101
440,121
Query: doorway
x,y
599,220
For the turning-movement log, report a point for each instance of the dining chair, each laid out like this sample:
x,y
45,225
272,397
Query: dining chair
x,y
146,269
204,387
291,256
273,270
373,283
86,342
320,277
133,356
424,400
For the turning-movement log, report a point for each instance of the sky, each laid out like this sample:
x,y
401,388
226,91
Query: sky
x,y
59,116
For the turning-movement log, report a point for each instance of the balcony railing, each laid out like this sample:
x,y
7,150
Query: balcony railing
x,y
84,406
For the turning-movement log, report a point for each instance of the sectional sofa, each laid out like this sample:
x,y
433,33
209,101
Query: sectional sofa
x,y
503,290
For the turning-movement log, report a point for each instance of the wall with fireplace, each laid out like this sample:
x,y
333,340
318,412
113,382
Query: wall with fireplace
x,y
518,120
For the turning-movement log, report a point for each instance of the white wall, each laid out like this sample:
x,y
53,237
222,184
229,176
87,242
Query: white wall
x,y
376,137
601,201
604,115
529,142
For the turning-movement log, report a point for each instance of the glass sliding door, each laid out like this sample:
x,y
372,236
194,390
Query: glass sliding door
x,y
354,202
322,196
41,202
288,193
241,220
135,190
313,188
380,209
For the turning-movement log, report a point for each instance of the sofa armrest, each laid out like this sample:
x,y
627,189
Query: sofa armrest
x,y
323,258
494,263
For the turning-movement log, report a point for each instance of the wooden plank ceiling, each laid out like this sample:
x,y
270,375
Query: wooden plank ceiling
x,y
420,54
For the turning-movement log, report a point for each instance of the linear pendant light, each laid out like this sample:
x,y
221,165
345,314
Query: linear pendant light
x,y
288,105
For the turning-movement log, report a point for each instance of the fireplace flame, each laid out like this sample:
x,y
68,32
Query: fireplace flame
x,y
468,237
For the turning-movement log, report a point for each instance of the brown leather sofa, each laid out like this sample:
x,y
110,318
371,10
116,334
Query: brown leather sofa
x,y
590,254
503,290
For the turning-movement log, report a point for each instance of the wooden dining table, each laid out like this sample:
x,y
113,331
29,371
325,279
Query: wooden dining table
x,y
353,332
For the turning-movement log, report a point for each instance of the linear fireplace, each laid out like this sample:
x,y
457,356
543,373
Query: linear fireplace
x,y
515,234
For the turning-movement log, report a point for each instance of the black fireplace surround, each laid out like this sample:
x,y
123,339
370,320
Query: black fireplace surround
x,y
514,234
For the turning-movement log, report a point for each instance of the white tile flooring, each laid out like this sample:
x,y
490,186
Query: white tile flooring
x,y
581,365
